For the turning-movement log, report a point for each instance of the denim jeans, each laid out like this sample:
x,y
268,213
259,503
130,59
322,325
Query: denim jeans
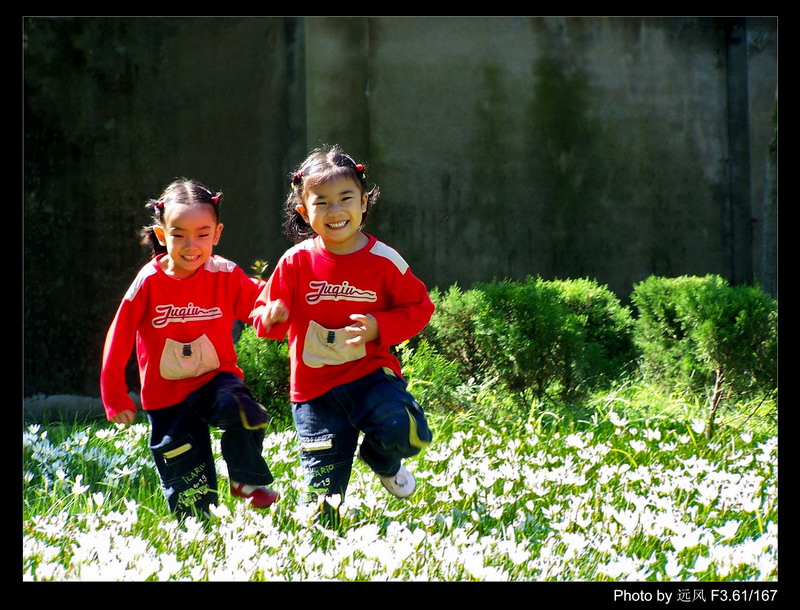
x,y
329,427
180,442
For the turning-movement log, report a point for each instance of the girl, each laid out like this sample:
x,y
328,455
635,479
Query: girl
x,y
180,311
344,298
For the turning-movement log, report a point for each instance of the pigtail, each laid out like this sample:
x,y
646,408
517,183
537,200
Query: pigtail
x,y
148,234
295,227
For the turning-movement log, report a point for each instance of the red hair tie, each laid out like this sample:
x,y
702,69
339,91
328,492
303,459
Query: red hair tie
x,y
215,199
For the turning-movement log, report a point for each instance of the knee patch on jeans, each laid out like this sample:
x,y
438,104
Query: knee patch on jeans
x,y
326,471
322,444
187,473
253,414
419,435
226,402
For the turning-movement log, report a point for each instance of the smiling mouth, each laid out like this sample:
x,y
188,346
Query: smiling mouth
x,y
338,225
191,259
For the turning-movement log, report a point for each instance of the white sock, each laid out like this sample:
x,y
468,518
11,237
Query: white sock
x,y
246,489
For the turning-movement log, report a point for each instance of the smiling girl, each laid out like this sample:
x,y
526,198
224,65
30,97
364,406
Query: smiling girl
x,y
345,298
179,313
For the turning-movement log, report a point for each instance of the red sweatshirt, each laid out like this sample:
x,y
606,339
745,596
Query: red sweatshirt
x,y
321,291
182,329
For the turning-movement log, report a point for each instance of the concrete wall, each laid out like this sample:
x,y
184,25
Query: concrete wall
x,y
114,110
563,147
613,148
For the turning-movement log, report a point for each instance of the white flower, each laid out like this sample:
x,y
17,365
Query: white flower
x,y
673,567
701,564
334,500
615,419
78,488
627,518
126,471
685,541
618,567
652,435
638,445
574,440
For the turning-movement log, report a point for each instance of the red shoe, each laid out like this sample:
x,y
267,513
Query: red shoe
x,y
261,497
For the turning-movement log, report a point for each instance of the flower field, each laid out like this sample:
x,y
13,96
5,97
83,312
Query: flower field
x,y
607,500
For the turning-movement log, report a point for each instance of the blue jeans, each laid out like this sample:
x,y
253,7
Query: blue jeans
x,y
378,405
180,442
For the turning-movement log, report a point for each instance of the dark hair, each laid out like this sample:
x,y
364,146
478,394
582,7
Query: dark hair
x,y
322,165
182,191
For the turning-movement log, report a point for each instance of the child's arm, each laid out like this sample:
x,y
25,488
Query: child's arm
x,y
267,315
411,312
270,313
124,417
365,329
248,291
119,406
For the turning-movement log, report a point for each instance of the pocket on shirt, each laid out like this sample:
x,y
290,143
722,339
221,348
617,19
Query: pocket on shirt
x,y
328,346
180,360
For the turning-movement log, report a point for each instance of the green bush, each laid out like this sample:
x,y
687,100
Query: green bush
x,y
599,347
265,363
452,330
432,379
534,337
523,342
520,326
662,333
703,335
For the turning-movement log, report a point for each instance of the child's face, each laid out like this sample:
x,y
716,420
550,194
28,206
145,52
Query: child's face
x,y
189,233
334,210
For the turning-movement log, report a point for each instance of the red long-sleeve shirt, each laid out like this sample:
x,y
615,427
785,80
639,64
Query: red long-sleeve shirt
x,y
182,331
321,290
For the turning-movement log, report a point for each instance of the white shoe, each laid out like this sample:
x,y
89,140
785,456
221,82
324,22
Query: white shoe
x,y
401,484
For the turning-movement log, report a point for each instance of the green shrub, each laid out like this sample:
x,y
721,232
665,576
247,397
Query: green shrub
x,y
534,337
599,347
520,326
660,330
706,336
452,330
432,379
265,363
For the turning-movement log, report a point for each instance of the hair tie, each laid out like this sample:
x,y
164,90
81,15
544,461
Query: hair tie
x,y
359,167
215,199
297,179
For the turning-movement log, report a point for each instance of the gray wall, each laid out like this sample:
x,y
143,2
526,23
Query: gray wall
x,y
566,147
612,148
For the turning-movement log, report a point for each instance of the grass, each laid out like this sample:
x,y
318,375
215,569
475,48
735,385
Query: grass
x,y
627,494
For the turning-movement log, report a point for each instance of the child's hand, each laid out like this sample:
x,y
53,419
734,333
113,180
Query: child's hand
x,y
273,312
365,329
124,417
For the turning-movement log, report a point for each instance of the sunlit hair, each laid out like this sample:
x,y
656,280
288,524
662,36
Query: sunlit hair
x,y
184,192
322,165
